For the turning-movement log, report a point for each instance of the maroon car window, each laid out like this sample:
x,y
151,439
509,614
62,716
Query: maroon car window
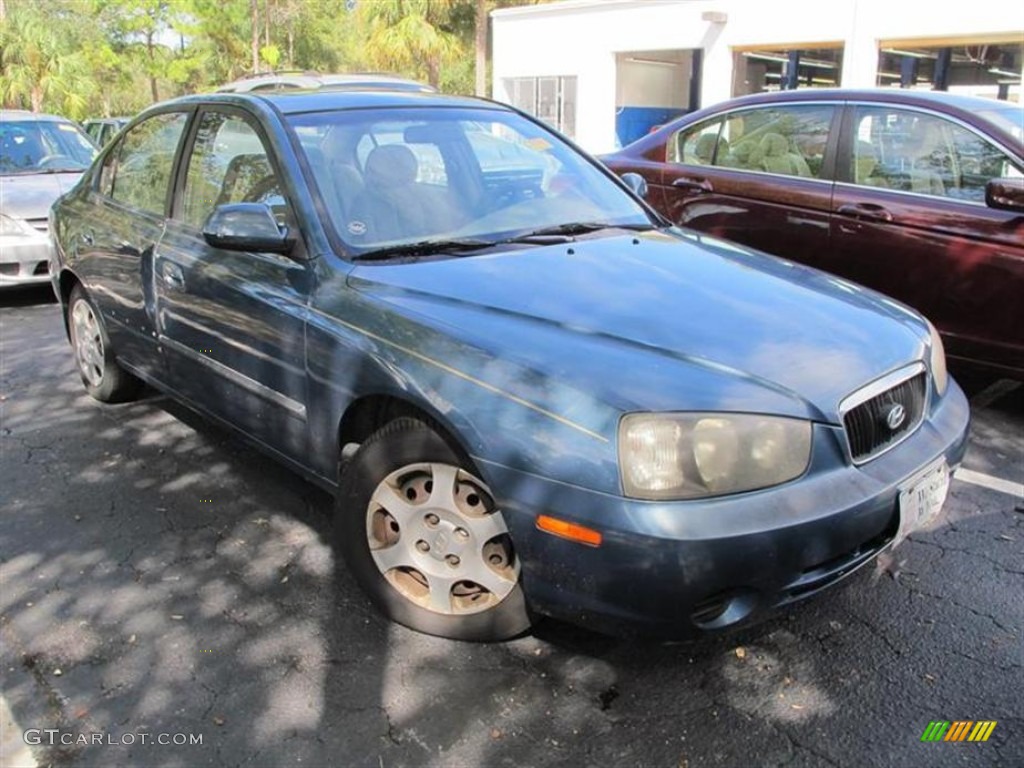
x,y
145,159
926,154
788,140
695,145
784,140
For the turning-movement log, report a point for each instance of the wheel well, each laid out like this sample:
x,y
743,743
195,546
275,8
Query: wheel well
x,y
67,283
368,414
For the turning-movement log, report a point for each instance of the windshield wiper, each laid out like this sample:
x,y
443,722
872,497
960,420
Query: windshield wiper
x,y
574,228
424,248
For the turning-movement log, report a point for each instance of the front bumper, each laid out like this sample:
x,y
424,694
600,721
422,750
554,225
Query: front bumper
x,y
24,259
684,568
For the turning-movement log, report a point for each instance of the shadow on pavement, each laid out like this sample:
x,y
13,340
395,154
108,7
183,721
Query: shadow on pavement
x,y
160,577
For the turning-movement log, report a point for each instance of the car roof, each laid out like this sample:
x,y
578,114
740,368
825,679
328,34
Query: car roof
x,y
291,102
314,80
969,109
888,95
24,116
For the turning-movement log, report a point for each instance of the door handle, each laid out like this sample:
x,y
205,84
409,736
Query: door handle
x,y
867,211
172,276
700,186
88,238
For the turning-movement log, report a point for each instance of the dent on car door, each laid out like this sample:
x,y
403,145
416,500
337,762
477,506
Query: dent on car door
x,y
756,176
233,322
910,220
118,235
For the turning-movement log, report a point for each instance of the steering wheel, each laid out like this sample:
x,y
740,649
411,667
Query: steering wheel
x,y
49,161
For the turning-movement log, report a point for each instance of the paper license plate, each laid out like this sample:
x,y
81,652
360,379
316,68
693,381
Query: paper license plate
x,y
921,499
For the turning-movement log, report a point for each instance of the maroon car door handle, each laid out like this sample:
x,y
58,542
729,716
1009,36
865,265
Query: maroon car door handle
x,y
700,186
868,211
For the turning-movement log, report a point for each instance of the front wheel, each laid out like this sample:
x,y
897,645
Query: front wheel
x,y
424,538
104,379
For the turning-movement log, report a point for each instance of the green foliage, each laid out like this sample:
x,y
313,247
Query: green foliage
x,y
86,58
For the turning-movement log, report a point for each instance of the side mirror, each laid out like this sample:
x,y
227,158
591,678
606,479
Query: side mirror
x,y
1005,194
637,183
246,227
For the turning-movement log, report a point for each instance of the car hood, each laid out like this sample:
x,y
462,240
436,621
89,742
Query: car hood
x,y
30,196
664,321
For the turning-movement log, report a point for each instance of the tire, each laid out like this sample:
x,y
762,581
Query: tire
x,y
440,563
104,379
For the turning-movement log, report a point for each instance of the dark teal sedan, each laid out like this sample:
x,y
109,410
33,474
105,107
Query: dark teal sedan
x,y
530,394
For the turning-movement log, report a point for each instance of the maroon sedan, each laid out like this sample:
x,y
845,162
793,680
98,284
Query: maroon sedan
x,y
919,195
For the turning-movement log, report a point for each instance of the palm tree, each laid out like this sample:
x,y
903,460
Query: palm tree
x,y
39,66
409,36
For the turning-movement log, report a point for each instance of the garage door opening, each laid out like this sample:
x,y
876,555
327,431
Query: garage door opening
x,y
973,67
785,69
653,87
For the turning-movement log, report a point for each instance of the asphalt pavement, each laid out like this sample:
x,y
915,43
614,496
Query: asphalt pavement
x,y
160,581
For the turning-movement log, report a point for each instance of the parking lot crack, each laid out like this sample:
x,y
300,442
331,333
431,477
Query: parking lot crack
x,y
875,632
970,609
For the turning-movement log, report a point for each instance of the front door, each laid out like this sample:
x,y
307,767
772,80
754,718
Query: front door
x,y
233,323
761,177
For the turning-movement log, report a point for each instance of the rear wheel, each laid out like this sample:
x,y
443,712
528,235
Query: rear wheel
x,y
423,536
104,379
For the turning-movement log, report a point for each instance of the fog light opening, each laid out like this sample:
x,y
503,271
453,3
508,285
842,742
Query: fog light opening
x,y
723,609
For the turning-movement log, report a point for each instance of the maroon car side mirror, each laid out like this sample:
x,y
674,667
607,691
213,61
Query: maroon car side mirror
x,y
1005,194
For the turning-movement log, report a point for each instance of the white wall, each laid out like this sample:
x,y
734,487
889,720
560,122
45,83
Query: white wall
x,y
653,79
582,37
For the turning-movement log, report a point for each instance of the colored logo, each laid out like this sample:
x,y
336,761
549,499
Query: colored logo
x,y
958,730
895,416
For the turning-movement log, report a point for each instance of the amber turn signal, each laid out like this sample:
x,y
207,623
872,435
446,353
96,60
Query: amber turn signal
x,y
570,531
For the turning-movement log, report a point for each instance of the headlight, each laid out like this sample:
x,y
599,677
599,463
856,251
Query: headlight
x,y
938,361
690,455
12,226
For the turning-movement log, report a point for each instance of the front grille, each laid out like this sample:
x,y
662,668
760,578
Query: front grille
x,y
871,426
43,225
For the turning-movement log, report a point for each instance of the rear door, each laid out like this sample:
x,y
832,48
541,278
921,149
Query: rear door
x,y
910,220
121,231
233,323
759,176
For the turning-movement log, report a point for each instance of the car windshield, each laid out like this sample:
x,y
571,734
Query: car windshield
x,y
43,146
1009,119
409,177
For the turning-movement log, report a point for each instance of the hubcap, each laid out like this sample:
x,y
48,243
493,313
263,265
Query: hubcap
x,y
88,342
436,536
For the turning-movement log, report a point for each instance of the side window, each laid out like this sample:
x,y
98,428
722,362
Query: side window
x,y
142,169
229,164
105,186
784,140
695,145
926,154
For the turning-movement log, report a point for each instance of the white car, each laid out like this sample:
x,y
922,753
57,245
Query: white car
x,y
41,158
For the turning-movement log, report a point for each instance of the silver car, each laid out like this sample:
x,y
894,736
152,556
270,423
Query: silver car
x,y
41,158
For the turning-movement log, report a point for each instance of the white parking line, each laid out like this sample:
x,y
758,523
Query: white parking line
x,y
14,753
992,483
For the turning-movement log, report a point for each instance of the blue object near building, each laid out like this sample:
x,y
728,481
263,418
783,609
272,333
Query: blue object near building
x,y
632,123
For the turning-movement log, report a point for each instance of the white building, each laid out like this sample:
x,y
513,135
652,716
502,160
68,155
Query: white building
x,y
606,71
